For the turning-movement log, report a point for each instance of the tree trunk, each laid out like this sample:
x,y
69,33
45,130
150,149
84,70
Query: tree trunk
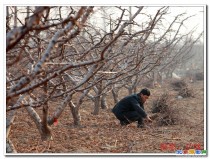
x,y
28,11
135,89
115,96
10,147
45,129
60,109
15,17
75,114
96,105
10,119
41,125
130,15
103,102
130,90
7,19
75,108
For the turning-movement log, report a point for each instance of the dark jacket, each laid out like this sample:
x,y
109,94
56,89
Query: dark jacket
x,y
130,103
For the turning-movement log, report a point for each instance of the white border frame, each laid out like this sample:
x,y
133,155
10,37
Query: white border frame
x,y
117,2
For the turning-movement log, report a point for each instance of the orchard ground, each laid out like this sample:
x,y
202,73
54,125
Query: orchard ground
x,y
103,134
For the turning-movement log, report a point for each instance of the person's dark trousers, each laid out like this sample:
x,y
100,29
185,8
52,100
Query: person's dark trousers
x,y
129,117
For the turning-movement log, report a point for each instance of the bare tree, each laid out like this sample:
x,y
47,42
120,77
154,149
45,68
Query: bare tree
x,y
56,53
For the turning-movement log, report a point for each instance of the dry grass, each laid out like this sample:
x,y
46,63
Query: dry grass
x,y
167,114
186,92
178,84
103,133
161,104
183,88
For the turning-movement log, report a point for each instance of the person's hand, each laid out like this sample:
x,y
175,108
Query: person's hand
x,y
148,119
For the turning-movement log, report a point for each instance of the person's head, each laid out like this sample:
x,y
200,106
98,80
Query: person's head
x,y
144,94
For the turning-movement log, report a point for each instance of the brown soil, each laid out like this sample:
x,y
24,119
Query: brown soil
x,y
103,134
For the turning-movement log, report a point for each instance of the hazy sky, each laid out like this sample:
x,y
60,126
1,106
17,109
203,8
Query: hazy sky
x,y
195,22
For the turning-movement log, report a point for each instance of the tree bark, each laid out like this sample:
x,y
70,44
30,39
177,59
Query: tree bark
x,y
103,102
115,95
10,147
96,105
75,114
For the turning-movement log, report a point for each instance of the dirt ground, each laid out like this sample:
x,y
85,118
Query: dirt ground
x,y
103,134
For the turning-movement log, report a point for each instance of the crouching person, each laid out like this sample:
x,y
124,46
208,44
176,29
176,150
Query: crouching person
x,y
131,108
